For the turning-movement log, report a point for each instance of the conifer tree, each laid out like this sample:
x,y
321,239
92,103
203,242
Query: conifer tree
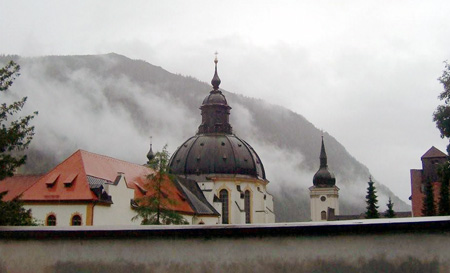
x,y
154,208
15,134
390,209
429,207
371,201
444,200
442,118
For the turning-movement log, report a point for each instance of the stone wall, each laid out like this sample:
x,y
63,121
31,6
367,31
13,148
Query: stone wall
x,y
412,245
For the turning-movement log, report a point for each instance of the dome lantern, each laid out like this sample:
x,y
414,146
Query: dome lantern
x,y
215,110
215,149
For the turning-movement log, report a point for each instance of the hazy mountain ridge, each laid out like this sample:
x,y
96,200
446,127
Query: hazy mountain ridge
x,y
84,100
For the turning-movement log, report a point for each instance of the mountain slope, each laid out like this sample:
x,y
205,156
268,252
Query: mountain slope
x,y
111,104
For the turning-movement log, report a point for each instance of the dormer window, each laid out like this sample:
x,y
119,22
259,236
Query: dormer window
x,y
70,180
51,182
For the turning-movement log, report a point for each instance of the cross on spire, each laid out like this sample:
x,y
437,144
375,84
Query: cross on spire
x,y
216,80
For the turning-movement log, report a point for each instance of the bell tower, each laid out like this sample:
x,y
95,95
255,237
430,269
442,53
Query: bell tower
x,y
324,194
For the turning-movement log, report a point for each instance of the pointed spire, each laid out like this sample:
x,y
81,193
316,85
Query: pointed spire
x,y
323,177
150,154
323,155
216,80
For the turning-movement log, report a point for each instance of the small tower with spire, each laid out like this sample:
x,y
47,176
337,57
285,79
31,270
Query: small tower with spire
x,y
215,110
150,154
324,194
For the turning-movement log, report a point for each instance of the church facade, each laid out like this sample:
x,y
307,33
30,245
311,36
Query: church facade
x,y
324,194
227,169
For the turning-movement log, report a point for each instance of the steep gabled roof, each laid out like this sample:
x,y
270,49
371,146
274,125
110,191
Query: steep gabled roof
x,y
74,178
195,196
16,185
178,199
51,185
433,152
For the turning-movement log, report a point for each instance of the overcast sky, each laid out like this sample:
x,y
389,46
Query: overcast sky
x,y
364,71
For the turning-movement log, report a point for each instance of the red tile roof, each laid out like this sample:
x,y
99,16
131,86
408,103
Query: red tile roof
x,y
169,191
51,185
433,152
16,185
74,171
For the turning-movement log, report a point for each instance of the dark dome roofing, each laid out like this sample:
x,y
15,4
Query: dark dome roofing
x,y
323,177
215,149
216,154
215,98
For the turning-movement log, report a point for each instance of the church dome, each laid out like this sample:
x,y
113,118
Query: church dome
x,y
215,149
216,154
323,177
215,98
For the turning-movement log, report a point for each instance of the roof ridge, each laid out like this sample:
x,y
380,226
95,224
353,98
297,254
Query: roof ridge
x,y
433,152
62,162
23,175
109,157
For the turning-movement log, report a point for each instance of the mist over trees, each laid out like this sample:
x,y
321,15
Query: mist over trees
x,y
110,104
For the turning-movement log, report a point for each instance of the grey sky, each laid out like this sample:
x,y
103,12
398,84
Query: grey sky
x,y
364,71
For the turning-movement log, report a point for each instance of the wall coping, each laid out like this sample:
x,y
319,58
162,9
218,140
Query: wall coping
x,y
434,224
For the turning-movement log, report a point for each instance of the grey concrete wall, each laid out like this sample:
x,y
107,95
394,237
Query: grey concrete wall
x,y
416,245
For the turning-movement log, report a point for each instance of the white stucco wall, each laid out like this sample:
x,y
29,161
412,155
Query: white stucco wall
x,y
119,212
63,212
317,205
261,208
206,220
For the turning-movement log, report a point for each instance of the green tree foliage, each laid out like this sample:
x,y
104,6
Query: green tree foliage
x,y
12,213
371,201
444,200
389,213
15,135
153,208
429,207
442,114
442,118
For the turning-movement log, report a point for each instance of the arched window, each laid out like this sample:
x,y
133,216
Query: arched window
x,y
323,215
247,206
76,220
51,220
223,195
